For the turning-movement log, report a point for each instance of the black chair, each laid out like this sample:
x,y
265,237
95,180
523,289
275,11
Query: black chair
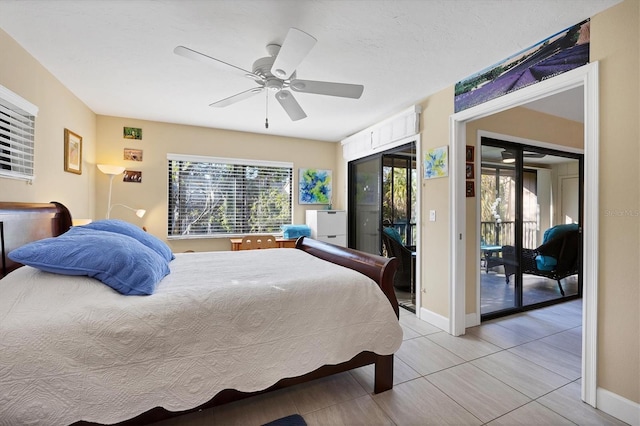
x,y
561,249
405,274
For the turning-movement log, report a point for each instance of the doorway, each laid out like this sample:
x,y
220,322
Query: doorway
x,y
530,206
383,212
586,78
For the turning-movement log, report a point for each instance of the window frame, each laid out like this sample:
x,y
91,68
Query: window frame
x,y
226,161
22,165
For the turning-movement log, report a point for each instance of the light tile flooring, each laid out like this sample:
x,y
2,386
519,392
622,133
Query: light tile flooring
x,y
518,370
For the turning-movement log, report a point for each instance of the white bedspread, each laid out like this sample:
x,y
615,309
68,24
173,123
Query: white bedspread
x,y
73,349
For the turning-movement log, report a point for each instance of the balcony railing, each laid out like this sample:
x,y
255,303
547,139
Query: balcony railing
x,y
502,234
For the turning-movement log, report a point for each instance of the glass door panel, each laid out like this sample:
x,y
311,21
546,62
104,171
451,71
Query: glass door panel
x,y
550,197
498,260
365,202
399,194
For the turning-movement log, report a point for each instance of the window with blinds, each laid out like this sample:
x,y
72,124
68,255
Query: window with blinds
x,y
211,196
17,129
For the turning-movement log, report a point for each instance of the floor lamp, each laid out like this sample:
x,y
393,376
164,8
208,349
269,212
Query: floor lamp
x,y
112,171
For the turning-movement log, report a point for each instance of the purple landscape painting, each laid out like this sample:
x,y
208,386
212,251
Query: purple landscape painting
x,y
559,53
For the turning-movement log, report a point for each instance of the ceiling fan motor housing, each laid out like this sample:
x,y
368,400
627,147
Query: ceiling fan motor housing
x,y
263,66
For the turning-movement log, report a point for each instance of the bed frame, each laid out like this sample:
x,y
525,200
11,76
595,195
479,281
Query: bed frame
x,y
21,223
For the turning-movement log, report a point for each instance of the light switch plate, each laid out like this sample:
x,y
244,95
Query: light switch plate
x,y
432,215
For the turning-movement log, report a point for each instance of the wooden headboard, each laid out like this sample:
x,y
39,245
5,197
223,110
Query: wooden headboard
x,y
21,223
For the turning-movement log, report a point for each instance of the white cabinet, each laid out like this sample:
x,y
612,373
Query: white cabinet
x,y
328,225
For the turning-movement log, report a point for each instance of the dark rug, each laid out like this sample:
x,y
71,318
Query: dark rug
x,y
292,420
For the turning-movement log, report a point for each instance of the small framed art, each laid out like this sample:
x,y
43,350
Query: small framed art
x,y
132,154
469,153
132,133
72,152
134,176
470,188
469,171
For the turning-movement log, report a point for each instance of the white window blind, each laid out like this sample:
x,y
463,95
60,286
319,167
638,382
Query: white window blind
x,y
17,129
211,196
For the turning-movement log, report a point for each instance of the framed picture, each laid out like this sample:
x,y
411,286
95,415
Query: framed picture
x,y
469,152
469,171
132,176
470,188
436,162
72,152
132,154
314,186
132,133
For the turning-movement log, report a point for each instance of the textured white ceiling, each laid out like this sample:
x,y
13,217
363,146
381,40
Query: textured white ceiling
x,y
117,56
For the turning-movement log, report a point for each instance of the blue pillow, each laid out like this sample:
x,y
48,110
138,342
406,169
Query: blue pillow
x,y
117,260
393,233
546,263
126,228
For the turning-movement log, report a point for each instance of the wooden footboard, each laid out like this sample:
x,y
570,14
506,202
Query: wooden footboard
x,y
378,268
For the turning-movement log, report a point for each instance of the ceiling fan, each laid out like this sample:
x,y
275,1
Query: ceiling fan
x,y
277,73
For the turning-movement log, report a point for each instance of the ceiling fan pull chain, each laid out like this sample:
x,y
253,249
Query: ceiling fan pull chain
x,y
266,114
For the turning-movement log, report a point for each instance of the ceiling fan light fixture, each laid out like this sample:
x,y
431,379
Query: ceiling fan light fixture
x,y
508,157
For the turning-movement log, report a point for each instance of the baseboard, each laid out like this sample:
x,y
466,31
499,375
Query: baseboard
x,y
618,407
471,320
435,319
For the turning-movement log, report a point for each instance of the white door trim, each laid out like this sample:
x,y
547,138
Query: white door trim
x,y
587,78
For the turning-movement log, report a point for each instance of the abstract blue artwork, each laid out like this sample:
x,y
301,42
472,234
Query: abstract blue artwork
x,y
314,186
436,163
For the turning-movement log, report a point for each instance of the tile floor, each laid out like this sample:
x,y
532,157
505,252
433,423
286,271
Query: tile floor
x,y
518,370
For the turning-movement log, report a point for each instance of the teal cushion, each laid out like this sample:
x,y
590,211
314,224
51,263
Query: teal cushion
x,y
558,230
119,261
393,233
295,231
546,263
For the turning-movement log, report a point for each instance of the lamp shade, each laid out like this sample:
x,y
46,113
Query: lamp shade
x,y
109,169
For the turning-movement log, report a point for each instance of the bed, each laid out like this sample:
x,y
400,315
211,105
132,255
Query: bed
x,y
219,327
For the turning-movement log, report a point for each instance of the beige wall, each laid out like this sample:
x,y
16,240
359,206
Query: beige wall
x,y
58,109
615,43
158,139
434,255
522,123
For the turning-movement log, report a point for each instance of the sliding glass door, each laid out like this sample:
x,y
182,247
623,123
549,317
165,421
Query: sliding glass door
x,y
365,201
525,193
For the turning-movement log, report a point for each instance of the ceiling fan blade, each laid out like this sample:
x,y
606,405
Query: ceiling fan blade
x,y
201,57
297,44
237,97
342,90
290,105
